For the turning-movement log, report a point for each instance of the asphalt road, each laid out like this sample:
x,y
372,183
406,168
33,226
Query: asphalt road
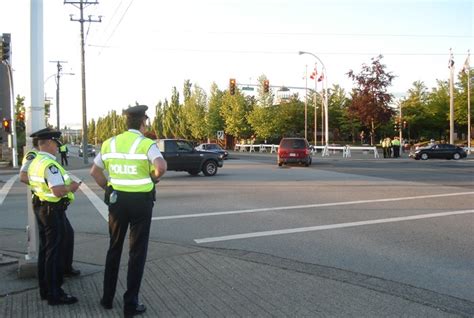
x,y
403,221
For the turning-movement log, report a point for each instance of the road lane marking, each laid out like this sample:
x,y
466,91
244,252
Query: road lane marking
x,y
328,227
6,188
96,201
307,206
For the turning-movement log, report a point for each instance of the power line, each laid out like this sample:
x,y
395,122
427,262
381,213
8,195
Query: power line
x,y
284,52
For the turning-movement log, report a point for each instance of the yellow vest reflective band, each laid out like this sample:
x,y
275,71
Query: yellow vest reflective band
x,y
37,178
125,158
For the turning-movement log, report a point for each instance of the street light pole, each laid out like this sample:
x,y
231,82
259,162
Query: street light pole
x,y
325,98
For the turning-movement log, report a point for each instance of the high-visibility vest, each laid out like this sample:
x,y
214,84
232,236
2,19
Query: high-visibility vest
x,y
37,178
30,155
63,148
125,158
396,142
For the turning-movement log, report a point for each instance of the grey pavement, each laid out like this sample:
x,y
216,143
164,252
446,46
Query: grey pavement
x,y
194,281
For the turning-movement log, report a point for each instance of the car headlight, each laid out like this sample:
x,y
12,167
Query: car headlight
x,y
221,156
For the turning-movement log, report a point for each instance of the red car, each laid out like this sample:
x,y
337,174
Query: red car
x,y
294,150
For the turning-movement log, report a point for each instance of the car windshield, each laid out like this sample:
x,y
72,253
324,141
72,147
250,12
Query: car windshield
x,y
293,144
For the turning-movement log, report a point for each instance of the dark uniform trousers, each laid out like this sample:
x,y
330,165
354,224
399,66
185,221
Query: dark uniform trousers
x,y
64,158
134,209
52,229
68,247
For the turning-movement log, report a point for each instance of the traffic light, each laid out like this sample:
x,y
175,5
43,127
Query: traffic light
x,y
266,86
5,47
6,125
232,86
396,126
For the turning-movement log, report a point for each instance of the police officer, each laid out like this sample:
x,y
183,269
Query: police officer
x,y
68,242
63,151
54,189
134,164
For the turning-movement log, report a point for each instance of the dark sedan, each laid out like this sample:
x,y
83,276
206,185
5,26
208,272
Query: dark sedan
x,y
441,151
213,148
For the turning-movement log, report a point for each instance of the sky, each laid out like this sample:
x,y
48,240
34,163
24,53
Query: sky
x,y
144,48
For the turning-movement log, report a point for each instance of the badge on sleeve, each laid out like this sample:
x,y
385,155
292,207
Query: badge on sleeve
x,y
53,169
30,156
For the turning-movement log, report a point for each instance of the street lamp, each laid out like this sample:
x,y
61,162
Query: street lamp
x,y
325,100
58,77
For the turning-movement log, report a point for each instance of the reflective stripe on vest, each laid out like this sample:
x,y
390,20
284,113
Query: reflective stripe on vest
x,y
125,158
37,180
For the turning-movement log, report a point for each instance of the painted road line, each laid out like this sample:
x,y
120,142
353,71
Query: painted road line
x,y
328,227
6,188
96,201
307,206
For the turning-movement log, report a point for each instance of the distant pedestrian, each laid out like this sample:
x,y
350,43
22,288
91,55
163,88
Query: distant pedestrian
x,y
64,152
133,164
54,190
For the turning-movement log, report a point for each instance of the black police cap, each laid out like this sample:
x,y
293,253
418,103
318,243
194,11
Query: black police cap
x,y
136,111
46,133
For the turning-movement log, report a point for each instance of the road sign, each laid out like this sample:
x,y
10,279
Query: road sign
x,y
220,134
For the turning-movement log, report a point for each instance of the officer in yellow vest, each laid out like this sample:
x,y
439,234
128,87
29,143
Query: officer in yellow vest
x,y
68,242
63,152
134,164
55,191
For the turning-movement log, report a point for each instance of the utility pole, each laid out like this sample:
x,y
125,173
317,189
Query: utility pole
x,y
58,76
80,5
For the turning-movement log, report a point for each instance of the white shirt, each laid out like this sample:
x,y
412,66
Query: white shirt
x,y
153,153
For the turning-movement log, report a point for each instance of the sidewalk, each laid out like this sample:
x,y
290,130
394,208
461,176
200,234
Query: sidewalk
x,y
191,281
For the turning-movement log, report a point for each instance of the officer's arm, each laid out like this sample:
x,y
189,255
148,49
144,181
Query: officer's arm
x,y
98,174
24,177
160,167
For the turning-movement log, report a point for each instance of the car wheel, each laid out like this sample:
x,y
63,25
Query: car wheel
x,y
457,156
280,164
193,172
424,156
209,168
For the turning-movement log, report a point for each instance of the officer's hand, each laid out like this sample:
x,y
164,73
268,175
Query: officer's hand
x,y
74,186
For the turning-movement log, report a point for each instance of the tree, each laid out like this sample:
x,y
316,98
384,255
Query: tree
x,y
338,124
460,102
214,120
370,100
195,113
158,120
171,116
234,111
262,117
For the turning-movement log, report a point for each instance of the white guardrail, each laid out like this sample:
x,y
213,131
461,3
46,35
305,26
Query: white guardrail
x,y
346,150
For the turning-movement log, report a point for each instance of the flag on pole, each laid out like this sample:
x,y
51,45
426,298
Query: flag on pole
x,y
451,61
314,73
466,67
321,78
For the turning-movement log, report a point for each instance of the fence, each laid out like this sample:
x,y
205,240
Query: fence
x,y
346,150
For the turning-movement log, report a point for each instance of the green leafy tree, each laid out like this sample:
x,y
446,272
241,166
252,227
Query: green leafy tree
x,y
460,102
171,116
415,110
196,113
289,120
158,120
214,120
234,111
370,99
339,126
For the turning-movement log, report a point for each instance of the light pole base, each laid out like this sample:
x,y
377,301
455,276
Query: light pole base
x,y
27,267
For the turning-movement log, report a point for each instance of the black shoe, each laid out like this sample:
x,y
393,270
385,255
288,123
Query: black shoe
x,y
138,310
106,304
63,300
72,273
